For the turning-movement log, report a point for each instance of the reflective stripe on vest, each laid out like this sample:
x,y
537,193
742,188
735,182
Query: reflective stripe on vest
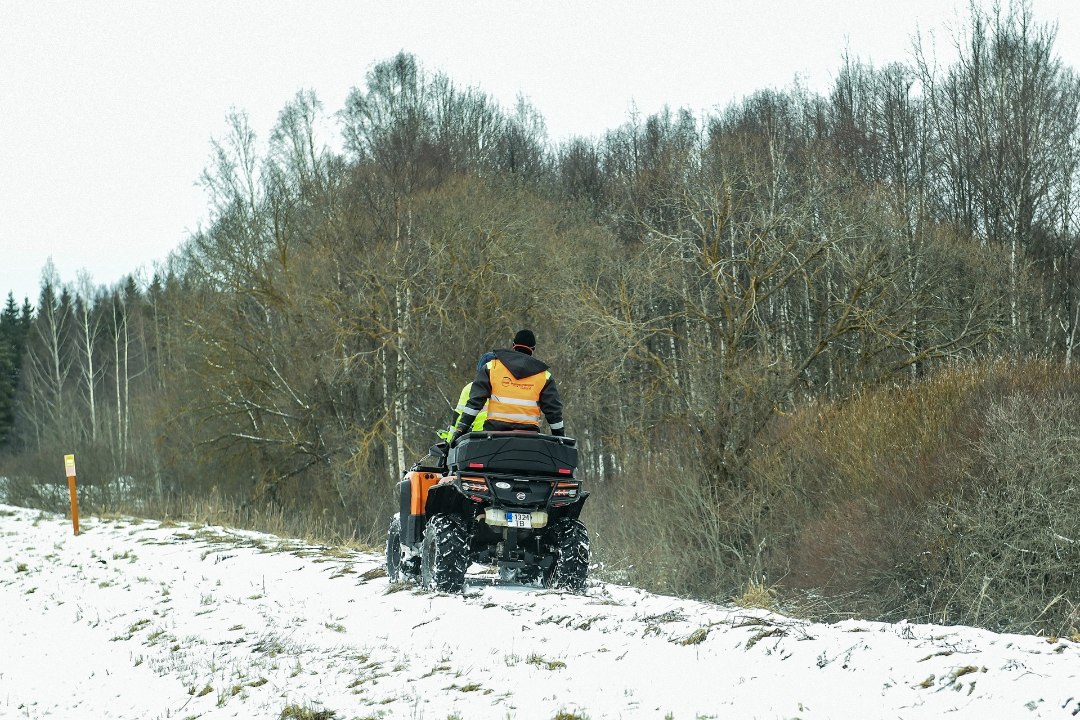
x,y
514,400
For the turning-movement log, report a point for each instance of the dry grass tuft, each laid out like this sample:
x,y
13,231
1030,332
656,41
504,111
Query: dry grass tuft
x,y
757,594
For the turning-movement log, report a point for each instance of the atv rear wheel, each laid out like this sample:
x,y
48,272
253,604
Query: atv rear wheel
x,y
444,555
571,544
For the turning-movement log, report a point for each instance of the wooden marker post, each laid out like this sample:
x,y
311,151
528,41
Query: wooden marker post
x,y
69,465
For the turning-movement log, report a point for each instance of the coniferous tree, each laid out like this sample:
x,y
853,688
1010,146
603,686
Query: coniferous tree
x,y
10,354
14,329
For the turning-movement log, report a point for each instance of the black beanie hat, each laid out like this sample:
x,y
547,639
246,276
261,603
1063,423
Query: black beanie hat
x,y
526,339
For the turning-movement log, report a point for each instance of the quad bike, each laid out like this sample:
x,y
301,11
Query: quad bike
x,y
494,498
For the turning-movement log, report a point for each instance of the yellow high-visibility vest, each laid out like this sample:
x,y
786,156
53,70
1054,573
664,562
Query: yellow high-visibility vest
x,y
478,423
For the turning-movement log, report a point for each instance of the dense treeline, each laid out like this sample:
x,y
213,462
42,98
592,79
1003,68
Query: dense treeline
x,y
708,290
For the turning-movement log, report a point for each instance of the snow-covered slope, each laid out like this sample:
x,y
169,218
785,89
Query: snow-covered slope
x,y
132,619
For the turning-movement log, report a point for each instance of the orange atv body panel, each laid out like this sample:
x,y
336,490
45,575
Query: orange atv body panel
x,y
419,484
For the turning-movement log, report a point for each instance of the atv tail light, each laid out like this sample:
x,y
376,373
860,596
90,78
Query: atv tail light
x,y
566,489
476,465
474,485
566,471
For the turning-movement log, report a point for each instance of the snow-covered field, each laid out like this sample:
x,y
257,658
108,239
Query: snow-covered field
x,y
133,619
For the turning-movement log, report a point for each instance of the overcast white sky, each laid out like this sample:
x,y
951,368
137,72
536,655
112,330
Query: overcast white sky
x,y
107,108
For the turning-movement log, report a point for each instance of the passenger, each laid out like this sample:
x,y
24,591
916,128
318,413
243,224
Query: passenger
x,y
478,423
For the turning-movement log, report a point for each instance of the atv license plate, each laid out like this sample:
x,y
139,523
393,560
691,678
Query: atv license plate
x,y
519,520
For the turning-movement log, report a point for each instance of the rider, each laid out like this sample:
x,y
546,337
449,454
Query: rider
x,y
518,389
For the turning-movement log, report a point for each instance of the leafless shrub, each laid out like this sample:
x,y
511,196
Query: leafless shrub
x,y
1001,548
945,501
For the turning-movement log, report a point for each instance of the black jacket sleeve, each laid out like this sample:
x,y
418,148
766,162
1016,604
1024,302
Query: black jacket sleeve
x,y
551,406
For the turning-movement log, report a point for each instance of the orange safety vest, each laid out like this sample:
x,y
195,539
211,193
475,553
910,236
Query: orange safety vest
x,y
514,400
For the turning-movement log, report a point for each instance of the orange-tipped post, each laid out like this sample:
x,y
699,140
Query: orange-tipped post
x,y
69,466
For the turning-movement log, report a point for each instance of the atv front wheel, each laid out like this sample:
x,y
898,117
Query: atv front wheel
x,y
396,569
571,544
444,555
